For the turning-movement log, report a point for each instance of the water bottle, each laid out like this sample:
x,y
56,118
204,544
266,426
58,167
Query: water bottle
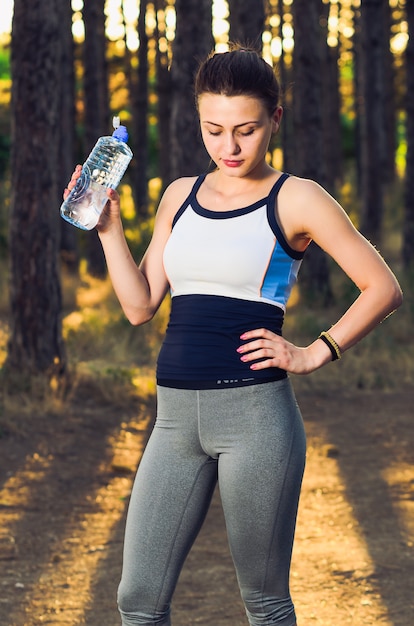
x,y
102,170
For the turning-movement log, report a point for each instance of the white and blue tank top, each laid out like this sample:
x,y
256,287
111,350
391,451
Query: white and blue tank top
x,y
229,272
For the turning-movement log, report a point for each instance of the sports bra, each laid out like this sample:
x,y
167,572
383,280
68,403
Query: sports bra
x,y
229,272
240,253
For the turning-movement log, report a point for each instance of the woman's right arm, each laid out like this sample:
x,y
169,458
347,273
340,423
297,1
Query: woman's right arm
x,y
140,289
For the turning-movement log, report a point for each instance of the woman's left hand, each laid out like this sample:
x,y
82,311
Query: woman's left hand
x,y
274,351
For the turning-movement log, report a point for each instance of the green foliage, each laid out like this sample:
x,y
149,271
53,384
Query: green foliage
x,y
4,147
99,332
4,63
348,136
401,143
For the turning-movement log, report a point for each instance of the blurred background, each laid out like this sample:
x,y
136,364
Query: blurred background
x,y
346,70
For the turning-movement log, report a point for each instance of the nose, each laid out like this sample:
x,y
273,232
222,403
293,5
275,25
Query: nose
x,y
232,147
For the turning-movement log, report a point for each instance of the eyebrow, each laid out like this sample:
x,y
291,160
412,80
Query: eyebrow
x,y
237,125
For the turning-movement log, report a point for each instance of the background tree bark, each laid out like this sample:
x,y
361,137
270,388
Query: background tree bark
x,y
408,231
331,105
193,41
285,98
67,138
372,102
308,129
163,90
97,116
35,345
356,61
247,18
389,96
139,101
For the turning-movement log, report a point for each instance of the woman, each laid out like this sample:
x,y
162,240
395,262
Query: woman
x,y
228,245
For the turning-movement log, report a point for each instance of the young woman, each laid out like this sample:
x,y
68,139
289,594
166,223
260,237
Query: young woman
x,y
228,245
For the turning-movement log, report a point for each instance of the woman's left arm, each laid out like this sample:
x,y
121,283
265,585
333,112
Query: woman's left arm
x,y
321,219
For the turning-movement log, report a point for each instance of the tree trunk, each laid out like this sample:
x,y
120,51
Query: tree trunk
x,y
193,41
408,237
331,103
139,99
247,19
35,345
308,125
389,103
356,61
372,100
67,154
285,99
97,117
163,88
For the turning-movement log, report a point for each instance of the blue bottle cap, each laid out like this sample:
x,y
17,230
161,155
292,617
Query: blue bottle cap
x,y
121,134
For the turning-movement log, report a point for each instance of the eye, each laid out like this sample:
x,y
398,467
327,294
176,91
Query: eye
x,y
246,133
214,134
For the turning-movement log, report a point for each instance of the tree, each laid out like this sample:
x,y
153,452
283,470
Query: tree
x,y
389,99
193,41
331,102
35,345
372,116
408,239
139,100
308,128
285,96
163,90
356,61
97,116
247,19
67,158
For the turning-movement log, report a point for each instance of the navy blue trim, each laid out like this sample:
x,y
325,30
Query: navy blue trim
x,y
221,215
270,202
224,215
191,198
274,224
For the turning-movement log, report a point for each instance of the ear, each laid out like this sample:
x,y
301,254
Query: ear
x,y
277,118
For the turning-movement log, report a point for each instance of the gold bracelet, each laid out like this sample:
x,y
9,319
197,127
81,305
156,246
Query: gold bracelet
x,y
332,345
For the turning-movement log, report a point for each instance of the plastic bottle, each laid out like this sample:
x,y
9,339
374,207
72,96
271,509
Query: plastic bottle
x,y
103,169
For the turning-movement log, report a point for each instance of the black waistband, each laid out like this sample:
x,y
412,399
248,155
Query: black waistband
x,y
220,383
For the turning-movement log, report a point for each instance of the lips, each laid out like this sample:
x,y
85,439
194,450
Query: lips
x,y
230,163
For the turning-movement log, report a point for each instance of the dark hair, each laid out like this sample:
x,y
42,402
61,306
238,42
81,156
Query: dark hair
x,y
241,71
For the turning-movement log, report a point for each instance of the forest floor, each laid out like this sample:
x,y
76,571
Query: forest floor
x,y
64,488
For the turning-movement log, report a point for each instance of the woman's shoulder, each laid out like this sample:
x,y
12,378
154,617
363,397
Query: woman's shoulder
x,y
303,193
304,185
304,208
181,187
175,195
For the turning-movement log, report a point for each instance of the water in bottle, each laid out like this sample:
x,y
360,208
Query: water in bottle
x,y
102,170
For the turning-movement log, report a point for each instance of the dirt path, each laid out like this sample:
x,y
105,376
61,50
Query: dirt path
x,y
65,487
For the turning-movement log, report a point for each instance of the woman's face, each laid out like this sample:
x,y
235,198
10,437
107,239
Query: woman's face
x,y
236,131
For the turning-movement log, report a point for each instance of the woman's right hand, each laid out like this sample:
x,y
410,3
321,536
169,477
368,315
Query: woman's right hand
x,y
111,213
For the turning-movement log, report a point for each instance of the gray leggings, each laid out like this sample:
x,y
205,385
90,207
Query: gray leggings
x,y
252,440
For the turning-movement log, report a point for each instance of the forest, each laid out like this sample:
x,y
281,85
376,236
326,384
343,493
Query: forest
x,y
77,380
346,70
